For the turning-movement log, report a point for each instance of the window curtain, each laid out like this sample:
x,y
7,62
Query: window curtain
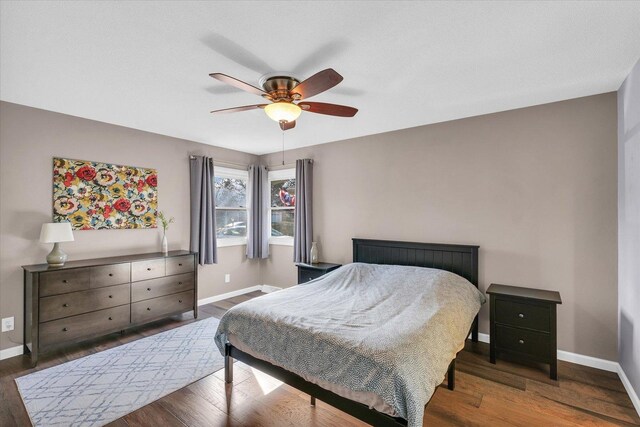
x,y
303,219
258,223
203,210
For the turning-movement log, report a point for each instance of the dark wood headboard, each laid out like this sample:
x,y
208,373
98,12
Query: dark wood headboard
x,y
459,259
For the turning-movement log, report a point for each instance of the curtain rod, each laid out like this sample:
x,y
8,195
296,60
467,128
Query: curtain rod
x,y
285,166
243,166
223,163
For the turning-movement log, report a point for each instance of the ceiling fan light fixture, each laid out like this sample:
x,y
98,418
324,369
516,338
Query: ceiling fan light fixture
x,y
283,111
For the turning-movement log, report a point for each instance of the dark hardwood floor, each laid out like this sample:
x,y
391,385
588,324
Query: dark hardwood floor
x,y
485,395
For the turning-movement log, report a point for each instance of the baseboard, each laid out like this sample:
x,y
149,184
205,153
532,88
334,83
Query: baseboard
x,y
231,294
578,359
594,362
11,352
630,390
263,288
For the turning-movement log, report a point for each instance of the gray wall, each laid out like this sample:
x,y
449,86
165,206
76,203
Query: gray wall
x,y
29,138
629,226
534,187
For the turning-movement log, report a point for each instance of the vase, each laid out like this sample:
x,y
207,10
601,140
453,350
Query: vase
x,y
165,244
314,253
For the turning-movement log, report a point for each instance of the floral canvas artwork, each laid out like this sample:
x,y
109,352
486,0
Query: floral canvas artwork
x,y
96,196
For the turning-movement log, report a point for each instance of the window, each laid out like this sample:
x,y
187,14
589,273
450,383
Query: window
x,y
231,206
282,187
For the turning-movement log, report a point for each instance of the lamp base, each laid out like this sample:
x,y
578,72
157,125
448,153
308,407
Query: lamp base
x,y
56,257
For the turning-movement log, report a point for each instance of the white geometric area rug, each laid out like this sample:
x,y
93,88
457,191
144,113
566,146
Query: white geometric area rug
x,y
97,389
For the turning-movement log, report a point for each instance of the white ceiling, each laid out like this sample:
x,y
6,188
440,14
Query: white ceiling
x,y
145,65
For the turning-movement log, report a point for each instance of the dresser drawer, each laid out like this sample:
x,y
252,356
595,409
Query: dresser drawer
x,y
180,264
70,304
148,269
162,286
60,282
534,344
523,315
150,309
108,275
82,326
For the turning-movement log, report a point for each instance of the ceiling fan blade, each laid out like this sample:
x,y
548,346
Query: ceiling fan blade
x,y
328,109
287,125
238,83
318,83
236,109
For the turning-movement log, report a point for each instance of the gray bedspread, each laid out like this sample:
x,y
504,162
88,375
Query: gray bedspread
x,y
384,329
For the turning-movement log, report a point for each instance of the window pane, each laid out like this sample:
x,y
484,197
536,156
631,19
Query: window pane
x,y
231,223
231,192
283,193
282,222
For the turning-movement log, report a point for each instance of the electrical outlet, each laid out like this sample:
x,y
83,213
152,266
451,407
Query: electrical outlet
x,y
7,324
227,278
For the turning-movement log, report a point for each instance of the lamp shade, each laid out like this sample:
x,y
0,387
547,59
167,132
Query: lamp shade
x,y
54,232
283,111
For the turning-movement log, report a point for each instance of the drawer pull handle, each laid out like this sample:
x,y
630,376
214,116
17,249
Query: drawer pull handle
x,y
65,305
521,341
520,315
110,296
64,280
179,283
149,289
148,308
148,268
110,274
180,265
110,318
64,329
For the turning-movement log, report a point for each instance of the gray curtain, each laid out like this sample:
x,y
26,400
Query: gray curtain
x,y
303,232
258,224
203,210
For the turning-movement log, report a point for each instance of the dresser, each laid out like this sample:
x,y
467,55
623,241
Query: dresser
x,y
89,298
523,324
307,272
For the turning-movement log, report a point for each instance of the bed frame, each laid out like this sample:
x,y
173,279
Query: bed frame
x,y
459,259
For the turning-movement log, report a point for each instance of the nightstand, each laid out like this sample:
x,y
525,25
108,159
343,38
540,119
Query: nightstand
x,y
523,324
307,272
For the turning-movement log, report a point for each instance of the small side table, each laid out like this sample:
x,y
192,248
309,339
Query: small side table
x,y
523,324
307,272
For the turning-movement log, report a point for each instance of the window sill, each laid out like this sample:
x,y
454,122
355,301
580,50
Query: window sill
x,y
224,243
281,241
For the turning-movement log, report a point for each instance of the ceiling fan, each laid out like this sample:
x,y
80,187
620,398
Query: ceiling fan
x,y
288,96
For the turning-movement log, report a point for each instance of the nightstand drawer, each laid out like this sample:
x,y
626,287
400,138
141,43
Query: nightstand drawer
x,y
534,344
308,272
308,275
523,315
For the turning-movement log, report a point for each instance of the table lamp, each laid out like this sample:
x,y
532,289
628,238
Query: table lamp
x,y
55,233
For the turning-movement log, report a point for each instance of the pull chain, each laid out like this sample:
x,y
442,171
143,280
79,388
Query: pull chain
x,y
282,148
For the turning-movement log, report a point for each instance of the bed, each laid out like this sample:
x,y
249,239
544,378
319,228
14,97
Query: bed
x,y
373,338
